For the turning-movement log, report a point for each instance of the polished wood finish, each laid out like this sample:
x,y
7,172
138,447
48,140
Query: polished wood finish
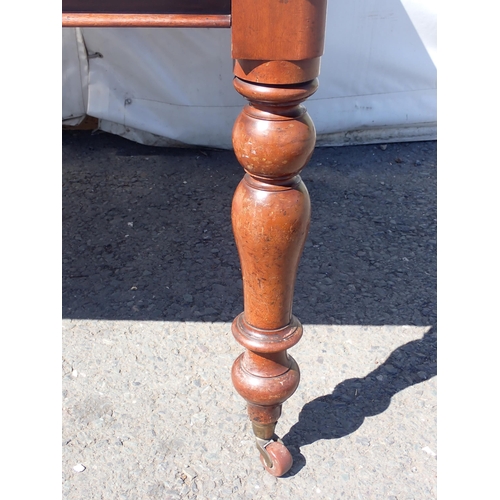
x,y
91,20
276,72
146,13
278,42
276,47
278,30
273,139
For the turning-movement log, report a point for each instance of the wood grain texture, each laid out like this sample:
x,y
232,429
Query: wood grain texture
x,y
278,30
277,72
273,139
99,20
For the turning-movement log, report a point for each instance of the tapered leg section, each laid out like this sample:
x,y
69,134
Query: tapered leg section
x,y
273,139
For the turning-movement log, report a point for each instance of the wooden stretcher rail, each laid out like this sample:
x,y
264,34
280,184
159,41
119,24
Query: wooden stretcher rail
x,y
108,20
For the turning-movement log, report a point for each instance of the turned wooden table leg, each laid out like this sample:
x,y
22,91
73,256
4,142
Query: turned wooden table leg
x,y
273,139
276,47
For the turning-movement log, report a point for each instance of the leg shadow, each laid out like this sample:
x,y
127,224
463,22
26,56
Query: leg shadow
x,y
338,414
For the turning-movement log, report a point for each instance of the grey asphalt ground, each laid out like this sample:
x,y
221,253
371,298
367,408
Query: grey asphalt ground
x,y
151,282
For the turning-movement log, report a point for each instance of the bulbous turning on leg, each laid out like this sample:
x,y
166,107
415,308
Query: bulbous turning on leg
x,y
273,139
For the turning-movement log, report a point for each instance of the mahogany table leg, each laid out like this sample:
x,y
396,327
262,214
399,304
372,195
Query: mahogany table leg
x,y
273,139
276,47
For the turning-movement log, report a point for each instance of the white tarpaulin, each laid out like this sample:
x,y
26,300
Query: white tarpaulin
x,y
174,86
74,77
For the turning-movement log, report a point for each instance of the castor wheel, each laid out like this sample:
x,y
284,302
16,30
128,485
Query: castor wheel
x,y
280,457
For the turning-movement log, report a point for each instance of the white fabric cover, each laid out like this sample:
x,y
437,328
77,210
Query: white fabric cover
x,y
74,77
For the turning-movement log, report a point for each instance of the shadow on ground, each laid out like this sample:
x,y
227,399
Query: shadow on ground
x,y
147,235
341,413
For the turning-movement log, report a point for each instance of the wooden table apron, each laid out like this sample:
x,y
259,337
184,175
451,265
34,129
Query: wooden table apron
x,y
276,48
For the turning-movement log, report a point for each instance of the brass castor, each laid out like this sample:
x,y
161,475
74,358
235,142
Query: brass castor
x,y
281,459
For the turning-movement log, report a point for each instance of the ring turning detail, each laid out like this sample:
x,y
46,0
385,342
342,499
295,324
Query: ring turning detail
x,y
273,139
